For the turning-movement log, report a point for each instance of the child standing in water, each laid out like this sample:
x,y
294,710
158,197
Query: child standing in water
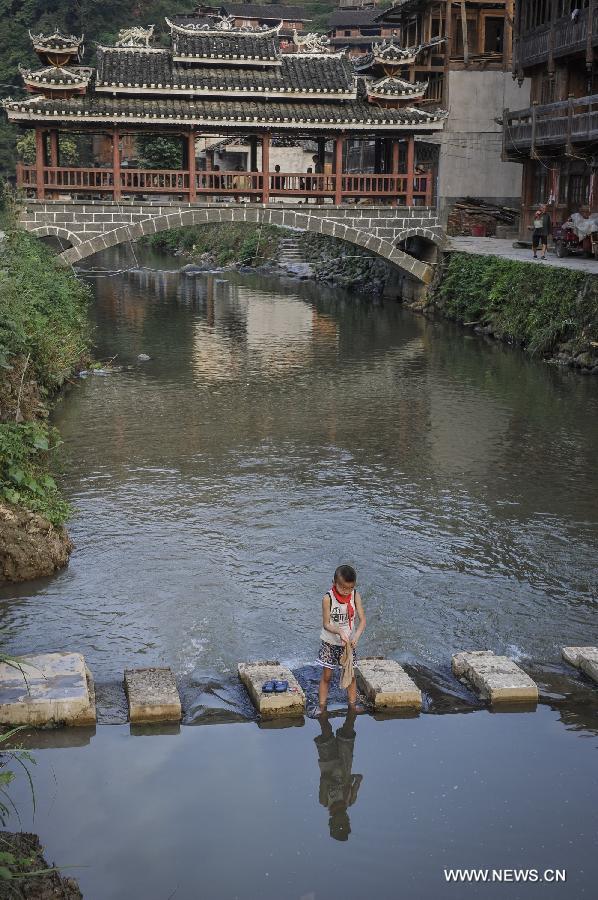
x,y
339,607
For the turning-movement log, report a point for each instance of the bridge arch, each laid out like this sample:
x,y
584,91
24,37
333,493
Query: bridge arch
x,y
62,234
314,221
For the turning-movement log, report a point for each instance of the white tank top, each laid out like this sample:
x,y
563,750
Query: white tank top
x,y
338,616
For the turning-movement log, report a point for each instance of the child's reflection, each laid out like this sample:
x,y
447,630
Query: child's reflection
x,y
338,787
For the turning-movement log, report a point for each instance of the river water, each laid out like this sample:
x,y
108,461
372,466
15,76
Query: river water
x,y
277,430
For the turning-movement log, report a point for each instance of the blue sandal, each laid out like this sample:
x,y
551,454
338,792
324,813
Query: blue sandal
x,y
281,686
268,687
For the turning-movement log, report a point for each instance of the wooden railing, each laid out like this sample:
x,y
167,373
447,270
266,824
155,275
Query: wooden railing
x,y
570,36
552,124
83,182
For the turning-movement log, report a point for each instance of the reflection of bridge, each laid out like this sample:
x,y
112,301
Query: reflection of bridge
x,y
92,226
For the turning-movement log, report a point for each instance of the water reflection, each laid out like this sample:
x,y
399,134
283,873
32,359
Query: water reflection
x,y
338,785
277,429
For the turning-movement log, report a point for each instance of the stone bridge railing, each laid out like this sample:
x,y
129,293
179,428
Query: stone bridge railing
x,y
89,227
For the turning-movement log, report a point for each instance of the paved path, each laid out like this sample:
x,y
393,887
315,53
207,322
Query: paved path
x,y
504,249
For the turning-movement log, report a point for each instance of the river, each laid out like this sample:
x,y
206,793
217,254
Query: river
x,y
277,430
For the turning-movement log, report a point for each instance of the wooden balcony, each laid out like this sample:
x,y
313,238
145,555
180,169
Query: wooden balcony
x,y
553,126
568,37
81,183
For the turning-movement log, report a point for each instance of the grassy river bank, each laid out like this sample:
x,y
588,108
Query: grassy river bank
x,y
44,339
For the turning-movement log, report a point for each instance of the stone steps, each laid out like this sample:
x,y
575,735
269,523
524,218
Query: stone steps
x,y
495,678
58,689
583,658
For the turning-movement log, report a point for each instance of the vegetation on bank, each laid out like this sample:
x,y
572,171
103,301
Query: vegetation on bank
x,y
541,308
248,244
44,338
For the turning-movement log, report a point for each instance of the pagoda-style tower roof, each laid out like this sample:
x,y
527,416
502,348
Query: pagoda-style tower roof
x,y
56,78
224,79
391,88
205,43
57,49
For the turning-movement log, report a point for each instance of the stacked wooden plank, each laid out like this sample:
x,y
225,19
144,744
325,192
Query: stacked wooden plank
x,y
469,212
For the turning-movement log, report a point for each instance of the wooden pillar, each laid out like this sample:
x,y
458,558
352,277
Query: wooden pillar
x,y
266,167
590,44
39,163
447,53
338,170
553,12
464,33
192,166
54,153
377,156
410,169
116,193
253,153
394,167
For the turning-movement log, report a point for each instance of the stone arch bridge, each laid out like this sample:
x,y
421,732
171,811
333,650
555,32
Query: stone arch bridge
x,y
92,226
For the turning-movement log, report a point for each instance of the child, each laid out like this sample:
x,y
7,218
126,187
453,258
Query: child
x,y
339,606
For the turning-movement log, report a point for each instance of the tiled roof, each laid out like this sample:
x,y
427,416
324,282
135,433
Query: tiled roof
x,y
392,87
225,45
350,115
296,74
55,41
57,76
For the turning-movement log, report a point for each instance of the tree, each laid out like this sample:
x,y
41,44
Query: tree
x,y
68,152
160,152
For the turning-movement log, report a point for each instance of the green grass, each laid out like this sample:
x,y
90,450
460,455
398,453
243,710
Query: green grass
x,y
44,338
534,306
243,243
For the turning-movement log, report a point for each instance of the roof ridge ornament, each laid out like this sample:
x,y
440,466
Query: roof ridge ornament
x,y
312,43
135,37
223,24
57,35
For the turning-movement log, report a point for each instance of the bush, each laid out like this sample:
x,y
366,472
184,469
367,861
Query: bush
x,y
24,456
43,310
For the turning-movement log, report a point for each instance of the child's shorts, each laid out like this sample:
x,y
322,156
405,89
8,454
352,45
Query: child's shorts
x,y
329,656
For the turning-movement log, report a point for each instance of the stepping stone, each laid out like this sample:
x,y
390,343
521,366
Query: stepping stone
x,y
387,685
48,689
153,696
254,675
496,678
584,658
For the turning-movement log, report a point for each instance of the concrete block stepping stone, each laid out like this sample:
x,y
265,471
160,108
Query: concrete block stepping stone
x,y
48,689
584,658
387,685
496,678
152,695
255,674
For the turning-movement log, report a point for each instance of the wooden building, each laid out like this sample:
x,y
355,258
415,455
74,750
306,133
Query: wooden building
x,y
464,55
555,137
356,29
219,80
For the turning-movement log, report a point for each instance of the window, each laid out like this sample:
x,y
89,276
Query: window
x,y
493,34
472,36
347,32
579,191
